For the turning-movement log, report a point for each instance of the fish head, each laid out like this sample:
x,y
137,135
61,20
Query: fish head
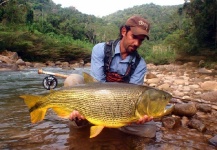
x,y
153,102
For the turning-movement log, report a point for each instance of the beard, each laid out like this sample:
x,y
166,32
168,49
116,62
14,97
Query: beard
x,y
131,49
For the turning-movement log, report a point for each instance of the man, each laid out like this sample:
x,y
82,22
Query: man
x,y
118,61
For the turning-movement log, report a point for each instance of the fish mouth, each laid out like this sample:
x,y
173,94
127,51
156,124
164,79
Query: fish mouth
x,y
168,109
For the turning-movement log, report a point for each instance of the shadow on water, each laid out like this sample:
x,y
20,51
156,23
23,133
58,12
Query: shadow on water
x,y
108,139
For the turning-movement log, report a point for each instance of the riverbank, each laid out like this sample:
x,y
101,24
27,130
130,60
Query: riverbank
x,y
10,61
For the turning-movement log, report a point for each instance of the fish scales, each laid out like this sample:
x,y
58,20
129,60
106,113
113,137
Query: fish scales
x,y
110,104
102,104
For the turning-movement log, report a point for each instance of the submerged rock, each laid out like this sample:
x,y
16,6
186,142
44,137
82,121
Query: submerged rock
x,y
197,124
187,109
171,122
213,140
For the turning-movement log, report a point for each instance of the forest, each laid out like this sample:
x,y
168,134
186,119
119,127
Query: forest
x,y
40,30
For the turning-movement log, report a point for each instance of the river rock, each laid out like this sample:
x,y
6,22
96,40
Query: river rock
x,y
197,124
29,64
171,122
39,65
213,140
184,121
20,62
204,108
209,85
50,63
153,81
87,64
164,86
209,96
6,59
204,71
8,67
186,109
150,75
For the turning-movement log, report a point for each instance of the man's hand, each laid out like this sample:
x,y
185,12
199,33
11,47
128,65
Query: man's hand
x,y
144,119
75,114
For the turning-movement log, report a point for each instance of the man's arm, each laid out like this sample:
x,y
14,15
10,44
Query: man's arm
x,y
97,62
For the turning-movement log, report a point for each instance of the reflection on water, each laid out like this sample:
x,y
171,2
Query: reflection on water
x,y
16,131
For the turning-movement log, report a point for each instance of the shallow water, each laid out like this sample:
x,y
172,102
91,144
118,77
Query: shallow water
x,y
17,132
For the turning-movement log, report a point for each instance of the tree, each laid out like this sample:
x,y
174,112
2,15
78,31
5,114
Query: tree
x,y
204,18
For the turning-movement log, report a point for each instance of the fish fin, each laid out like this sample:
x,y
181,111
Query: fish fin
x,y
36,114
30,100
88,78
61,112
95,130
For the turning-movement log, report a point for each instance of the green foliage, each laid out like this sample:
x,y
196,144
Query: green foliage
x,y
159,55
42,47
204,21
40,30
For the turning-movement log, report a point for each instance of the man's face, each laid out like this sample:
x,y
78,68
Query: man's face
x,y
131,41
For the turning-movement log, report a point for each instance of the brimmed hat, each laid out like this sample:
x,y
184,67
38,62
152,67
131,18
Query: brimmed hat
x,y
138,25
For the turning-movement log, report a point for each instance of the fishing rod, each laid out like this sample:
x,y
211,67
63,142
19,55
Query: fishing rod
x,y
40,71
50,82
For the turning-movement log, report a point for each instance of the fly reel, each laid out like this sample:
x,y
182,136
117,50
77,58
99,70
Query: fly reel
x,y
50,82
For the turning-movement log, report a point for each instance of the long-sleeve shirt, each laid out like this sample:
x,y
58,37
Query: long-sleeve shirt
x,y
118,65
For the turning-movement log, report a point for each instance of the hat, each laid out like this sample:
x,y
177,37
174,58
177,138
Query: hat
x,y
138,25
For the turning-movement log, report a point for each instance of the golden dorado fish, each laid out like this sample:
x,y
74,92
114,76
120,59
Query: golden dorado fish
x,y
110,105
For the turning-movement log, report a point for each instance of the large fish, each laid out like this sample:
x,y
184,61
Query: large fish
x,y
110,105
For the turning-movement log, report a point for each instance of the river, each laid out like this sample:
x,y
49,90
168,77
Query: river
x,y
17,132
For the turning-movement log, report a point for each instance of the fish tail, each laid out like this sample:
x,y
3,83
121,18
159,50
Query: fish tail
x,y
36,113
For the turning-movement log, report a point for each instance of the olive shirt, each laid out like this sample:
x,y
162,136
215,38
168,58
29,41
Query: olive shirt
x,y
118,65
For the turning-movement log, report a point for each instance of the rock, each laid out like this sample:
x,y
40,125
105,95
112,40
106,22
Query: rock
x,y
178,93
29,64
204,108
6,59
187,109
8,67
209,96
50,63
201,63
194,86
39,65
204,71
213,141
164,86
65,64
150,75
209,85
171,122
12,55
87,65
81,63
20,62
153,81
58,63
179,82
184,121
197,124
